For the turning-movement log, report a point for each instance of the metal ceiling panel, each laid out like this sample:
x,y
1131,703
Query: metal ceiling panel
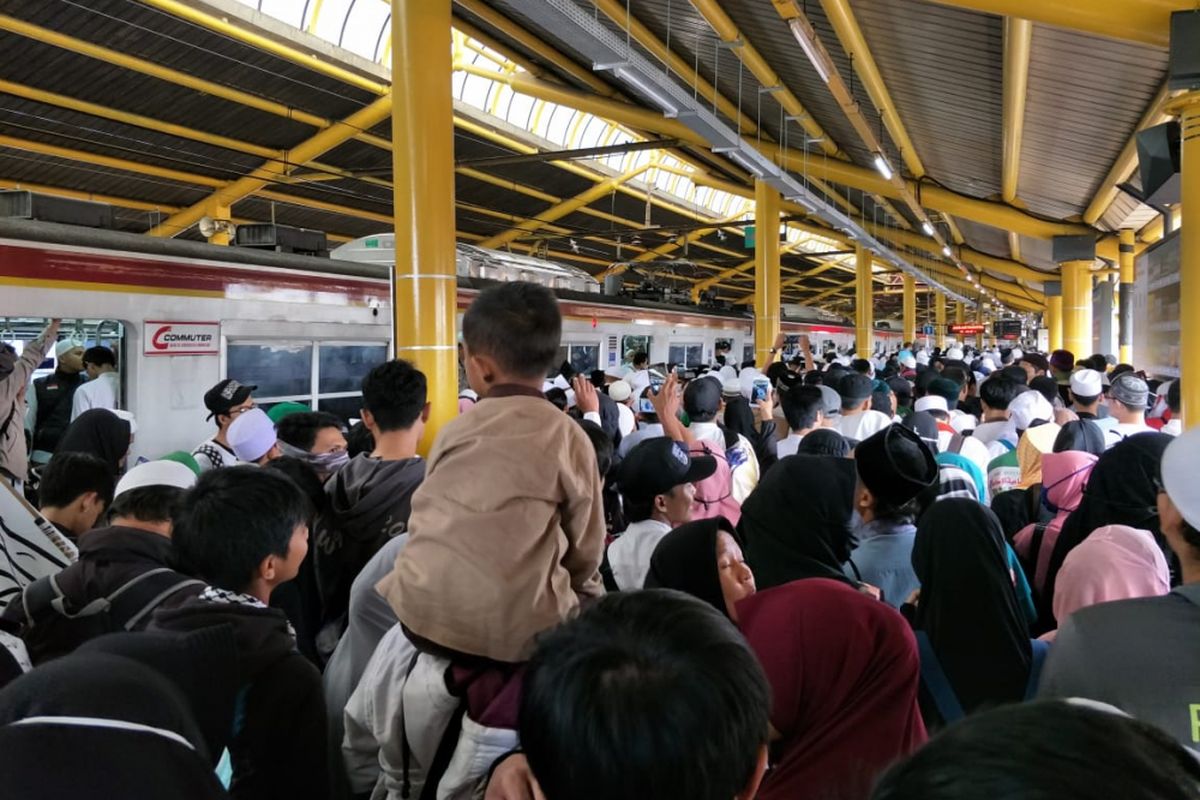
x,y
1086,95
943,68
20,165
1126,212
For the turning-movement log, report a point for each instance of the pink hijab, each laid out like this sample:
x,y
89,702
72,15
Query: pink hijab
x,y
1115,563
1064,476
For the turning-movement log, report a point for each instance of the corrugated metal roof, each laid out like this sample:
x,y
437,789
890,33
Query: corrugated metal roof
x,y
1085,98
943,68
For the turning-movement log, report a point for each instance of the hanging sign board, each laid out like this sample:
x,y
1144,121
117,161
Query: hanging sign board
x,y
168,338
965,328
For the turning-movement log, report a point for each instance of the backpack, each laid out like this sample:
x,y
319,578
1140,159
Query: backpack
x,y
53,627
714,494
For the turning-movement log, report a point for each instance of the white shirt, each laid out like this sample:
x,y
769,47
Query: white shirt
x,y
626,421
988,432
789,446
629,554
863,425
962,421
1123,430
1173,428
971,448
104,391
745,475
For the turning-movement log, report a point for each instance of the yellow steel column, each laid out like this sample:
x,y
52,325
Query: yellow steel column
x,y
980,319
1125,295
219,211
1077,307
1188,107
1054,322
766,271
910,309
960,312
423,174
864,303
939,319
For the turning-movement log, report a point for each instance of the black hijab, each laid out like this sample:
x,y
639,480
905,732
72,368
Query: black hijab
x,y
97,754
686,559
1122,490
797,521
1082,435
968,607
101,433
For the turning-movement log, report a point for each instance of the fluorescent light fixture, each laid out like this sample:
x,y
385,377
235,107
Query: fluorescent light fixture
x,y
883,167
656,94
807,38
927,226
946,251
644,322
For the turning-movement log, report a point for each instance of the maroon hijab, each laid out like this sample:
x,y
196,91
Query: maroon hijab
x,y
844,673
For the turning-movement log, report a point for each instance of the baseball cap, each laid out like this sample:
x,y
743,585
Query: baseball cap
x,y
252,435
832,401
620,391
1130,390
1086,383
156,473
655,466
225,395
1029,407
702,398
1180,462
895,464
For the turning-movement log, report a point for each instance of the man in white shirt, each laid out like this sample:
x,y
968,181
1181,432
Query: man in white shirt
x,y
1127,401
225,402
803,407
1087,388
995,395
103,387
858,421
966,445
655,481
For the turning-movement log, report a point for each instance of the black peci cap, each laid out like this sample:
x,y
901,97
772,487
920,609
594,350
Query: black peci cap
x,y
895,464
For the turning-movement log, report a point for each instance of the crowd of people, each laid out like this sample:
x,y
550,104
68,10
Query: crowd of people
x,y
933,573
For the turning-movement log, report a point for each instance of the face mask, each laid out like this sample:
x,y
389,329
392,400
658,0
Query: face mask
x,y
1046,489
322,463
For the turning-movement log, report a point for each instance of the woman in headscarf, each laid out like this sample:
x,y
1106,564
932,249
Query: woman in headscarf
x,y
974,641
101,433
1122,490
843,667
1115,563
1034,443
797,521
1064,477
1082,435
99,725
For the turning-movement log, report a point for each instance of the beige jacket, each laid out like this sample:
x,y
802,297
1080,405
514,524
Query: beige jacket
x,y
506,532
14,456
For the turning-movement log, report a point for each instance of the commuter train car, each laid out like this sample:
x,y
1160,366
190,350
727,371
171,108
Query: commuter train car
x,y
181,315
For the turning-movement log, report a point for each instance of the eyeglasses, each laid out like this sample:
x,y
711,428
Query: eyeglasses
x,y
233,412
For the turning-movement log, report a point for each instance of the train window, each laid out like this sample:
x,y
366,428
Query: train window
x,y
347,408
20,331
343,366
583,358
631,345
278,370
687,355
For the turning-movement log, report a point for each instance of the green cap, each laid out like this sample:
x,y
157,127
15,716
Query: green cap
x,y
184,458
281,410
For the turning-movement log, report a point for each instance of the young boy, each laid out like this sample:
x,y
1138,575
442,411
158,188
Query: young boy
x,y
243,530
507,531
74,491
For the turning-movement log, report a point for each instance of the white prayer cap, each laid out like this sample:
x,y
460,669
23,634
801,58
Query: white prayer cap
x,y
252,435
156,473
931,402
1028,407
620,391
954,354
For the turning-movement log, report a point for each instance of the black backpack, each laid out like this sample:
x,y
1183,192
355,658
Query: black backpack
x,y
53,626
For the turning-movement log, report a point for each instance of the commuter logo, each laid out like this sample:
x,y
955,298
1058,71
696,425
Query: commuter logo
x,y
164,338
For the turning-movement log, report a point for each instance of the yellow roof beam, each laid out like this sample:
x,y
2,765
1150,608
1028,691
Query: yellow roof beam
x,y
1145,21
1126,161
1018,41
321,142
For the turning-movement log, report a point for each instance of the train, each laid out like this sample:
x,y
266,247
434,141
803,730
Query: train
x,y
181,315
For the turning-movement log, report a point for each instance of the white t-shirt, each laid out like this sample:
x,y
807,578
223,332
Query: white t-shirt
x,y
863,425
102,392
789,446
1123,430
629,554
971,448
